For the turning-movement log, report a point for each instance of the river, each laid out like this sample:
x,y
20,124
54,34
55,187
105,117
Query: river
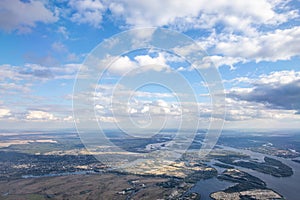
x,y
288,187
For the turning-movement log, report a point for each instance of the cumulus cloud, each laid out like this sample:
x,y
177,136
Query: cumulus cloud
x,y
238,110
38,115
157,63
219,61
278,90
68,118
153,94
241,110
31,72
22,16
156,108
59,47
87,11
240,15
63,31
107,119
4,112
13,88
122,65
141,105
38,73
19,80
271,46
119,65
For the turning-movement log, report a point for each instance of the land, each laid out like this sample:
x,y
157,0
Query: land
x,y
100,186
281,144
245,195
224,166
15,165
245,181
247,187
38,167
269,166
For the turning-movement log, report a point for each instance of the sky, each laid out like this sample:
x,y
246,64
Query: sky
x,y
191,64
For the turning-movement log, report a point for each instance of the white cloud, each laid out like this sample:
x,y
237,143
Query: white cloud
x,y
32,72
185,50
68,118
140,105
122,65
268,97
239,110
22,16
242,16
152,94
277,90
278,78
40,116
159,108
222,60
154,108
63,30
107,119
157,63
87,11
4,112
271,46
13,88
239,15
274,79
59,47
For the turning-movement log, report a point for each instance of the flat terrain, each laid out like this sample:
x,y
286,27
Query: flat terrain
x,y
57,166
103,186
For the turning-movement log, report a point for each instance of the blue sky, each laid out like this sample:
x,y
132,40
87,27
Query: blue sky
x,y
254,45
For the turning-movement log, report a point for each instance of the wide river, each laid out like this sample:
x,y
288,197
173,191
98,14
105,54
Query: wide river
x,y
288,187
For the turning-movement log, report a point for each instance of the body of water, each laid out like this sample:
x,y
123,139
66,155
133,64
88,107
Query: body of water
x,y
206,187
288,187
